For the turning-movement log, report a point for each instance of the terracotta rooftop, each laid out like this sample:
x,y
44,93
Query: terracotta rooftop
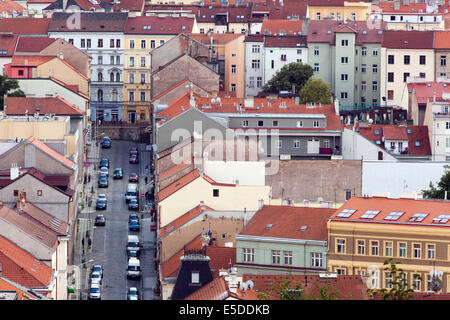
x,y
159,25
425,91
177,185
21,267
55,105
442,39
172,170
8,43
412,8
393,132
218,38
230,14
332,3
21,292
9,7
130,5
215,290
281,26
289,222
411,39
30,61
46,219
25,26
169,267
408,208
284,10
175,224
33,44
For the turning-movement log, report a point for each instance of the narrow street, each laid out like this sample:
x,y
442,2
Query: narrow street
x,y
109,241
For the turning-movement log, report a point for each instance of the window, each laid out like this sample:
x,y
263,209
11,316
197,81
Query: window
x,y
117,77
111,60
375,51
100,77
255,48
353,16
416,282
111,43
117,43
364,51
39,193
233,87
248,254
406,59
296,143
16,193
299,124
88,43
299,51
287,257
275,123
361,247
245,123
418,217
195,277
443,61
131,64
390,77
344,59
259,82
251,83
370,214
316,67
255,64
422,59
394,215
363,85
375,68
344,43
71,41
143,44
374,248
111,77
344,95
318,16
387,280
316,50
100,59
422,75
131,77
348,194
316,259
131,95
402,250
416,250
388,248
142,61
340,245
215,192
374,86
131,44
100,95
390,95
142,78
391,59
316,124
344,77
82,43
152,44
202,30
142,93
117,59
405,76
326,143
233,68
276,257
272,64
161,42
431,250
346,213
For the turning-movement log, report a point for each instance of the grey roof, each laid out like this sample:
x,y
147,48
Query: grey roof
x,y
89,22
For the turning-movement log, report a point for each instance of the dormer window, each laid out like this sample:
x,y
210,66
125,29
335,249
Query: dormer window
x,y
195,277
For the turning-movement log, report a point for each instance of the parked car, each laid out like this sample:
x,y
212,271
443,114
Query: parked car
x,y
104,171
133,216
104,162
132,293
133,204
134,159
100,204
106,143
103,182
135,151
102,196
94,292
133,225
133,253
97,268
134,177
96,277
100,220
118,173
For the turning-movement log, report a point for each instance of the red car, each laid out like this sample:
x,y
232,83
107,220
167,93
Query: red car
x,y
133,177
134,159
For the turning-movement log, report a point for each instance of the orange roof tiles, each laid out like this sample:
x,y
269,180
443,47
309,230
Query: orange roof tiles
x,y
10,286
167,173
411,39
33,44
159,25
279,26
21,267
9,6
8,43
169,267
218,38
425,91
393,132
56,105
432,208
389,7
30,61
442,39
178,184
287,222
217,289
26,26
54,154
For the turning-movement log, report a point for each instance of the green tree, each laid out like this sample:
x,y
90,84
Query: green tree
x,y
443,185
10,88
315,91
293,74
399,289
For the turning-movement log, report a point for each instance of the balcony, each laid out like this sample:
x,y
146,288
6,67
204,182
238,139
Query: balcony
x,y
328,151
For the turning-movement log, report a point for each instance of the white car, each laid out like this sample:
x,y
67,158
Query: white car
x,y
94,292
105,171
102,196
133,293
96,277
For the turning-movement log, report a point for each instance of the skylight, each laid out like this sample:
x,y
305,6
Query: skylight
x,y
417,217
376,132
408,131
394,215
346,213
369,214
442,218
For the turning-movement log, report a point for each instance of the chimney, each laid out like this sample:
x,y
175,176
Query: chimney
x,y
336,106
260,204
14,171
397,5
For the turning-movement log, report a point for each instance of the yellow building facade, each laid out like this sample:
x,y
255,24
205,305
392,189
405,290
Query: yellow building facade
x,y
357,11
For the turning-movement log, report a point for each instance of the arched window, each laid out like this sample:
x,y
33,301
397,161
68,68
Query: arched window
x,y
114,95
100,76
111,77
100,95
117,77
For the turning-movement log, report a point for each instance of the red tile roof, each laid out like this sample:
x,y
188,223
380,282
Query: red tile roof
x,y
283,11
30,61
349,287
281,26
7,285
8,43
285,41
59,226
130,5
411,39
287,222
167,173
21,267
177,185
169,268
218,38
433,208
442,39
54,154
90,21
393,132
217,289
331,3
209,14
7,7
159,25
175,224
425,91
25,26
413,8
33,44
55,105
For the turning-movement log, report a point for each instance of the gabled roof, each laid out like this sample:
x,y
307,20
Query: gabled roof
x,y
130,5
20,292
289,222
55,105
411,39
33,44
30,61
9,7
54,154
8,43
25,26
215,290
413,8
159,25
178,184
281,26
172,170
46,219
425,91
90,22
170,266
393,132
21,267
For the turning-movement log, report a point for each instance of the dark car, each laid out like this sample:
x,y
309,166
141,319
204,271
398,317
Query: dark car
x,y
103,182
133,253
133,204
100,220
118,173
133,177
133,216
134,159
106,143
134,150
100,204
133,225
104,162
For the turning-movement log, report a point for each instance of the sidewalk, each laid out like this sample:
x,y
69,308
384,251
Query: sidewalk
x,y
85,224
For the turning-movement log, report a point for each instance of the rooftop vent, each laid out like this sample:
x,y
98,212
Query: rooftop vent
x,y
269,226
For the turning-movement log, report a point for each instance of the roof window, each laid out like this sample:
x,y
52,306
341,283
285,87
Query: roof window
x,y
417,217
370,214
346,213
394,215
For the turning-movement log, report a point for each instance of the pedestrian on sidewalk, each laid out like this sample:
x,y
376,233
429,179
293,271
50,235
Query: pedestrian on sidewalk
x,y
89,177
89,242
82,243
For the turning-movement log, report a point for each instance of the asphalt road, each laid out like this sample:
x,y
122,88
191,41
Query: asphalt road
x,y
109,241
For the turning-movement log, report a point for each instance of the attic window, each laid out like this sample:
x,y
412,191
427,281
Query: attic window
x,y
269,226
370,214
376,132
442,218
303,228
215,192
417,217
408,131
394,215
417,143
195,277
346,213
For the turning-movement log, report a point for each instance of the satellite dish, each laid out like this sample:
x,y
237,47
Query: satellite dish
x,y
249,284
243,287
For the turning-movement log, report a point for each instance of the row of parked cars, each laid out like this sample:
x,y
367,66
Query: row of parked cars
x,y
95,281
